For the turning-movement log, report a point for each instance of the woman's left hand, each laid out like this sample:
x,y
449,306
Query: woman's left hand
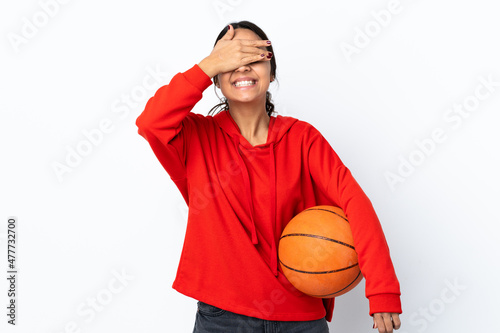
x,y
386,322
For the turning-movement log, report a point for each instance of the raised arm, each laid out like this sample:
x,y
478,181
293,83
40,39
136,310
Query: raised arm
x,y
166,122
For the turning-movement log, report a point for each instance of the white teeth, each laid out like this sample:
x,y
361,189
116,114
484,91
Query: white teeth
x,y
244,83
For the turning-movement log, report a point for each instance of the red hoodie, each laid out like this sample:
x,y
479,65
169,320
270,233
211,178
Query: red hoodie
x,y
240,198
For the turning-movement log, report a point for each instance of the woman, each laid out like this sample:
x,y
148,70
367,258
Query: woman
x,y
244,174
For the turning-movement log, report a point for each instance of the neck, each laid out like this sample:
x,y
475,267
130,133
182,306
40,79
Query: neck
x,y
251,119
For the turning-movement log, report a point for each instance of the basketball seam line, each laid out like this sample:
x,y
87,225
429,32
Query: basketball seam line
x,y
338,291
319,237
326,210
324,272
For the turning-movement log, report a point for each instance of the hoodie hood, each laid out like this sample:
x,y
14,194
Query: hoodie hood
x,y
278,128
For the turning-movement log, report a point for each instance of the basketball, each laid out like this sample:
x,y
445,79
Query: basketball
x,y
316,253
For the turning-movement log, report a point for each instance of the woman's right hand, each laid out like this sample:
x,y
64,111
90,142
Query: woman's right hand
x,y
229,54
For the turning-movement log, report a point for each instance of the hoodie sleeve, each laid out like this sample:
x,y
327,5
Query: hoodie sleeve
x,y
167,124
335,181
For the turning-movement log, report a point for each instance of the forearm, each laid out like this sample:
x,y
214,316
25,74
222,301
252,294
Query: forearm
x,y
209,66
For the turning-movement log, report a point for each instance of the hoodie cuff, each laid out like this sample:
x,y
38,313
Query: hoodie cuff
x,y
198,78
385,303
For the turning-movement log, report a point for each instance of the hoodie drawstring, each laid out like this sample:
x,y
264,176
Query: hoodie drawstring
x,y
272,180
246,179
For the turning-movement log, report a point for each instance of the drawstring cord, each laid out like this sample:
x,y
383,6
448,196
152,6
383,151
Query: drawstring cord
x,y
246,179
272,180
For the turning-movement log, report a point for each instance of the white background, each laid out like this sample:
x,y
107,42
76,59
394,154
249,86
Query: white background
x,y
118,212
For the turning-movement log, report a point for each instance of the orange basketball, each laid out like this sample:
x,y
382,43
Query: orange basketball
x,y
316,253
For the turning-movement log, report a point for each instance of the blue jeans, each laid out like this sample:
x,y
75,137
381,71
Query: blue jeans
x,y
210,319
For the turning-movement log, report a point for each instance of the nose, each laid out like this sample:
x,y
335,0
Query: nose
x,y
243,68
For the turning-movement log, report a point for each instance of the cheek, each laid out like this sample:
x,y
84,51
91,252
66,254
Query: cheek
x,y
264,70
223,79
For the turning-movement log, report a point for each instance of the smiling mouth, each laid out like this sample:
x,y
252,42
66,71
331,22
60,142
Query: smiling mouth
x,y
244,83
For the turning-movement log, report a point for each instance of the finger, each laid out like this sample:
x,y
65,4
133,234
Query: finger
x,y
254,58
255,42
378,322
229,33
387,322
254,50
396,322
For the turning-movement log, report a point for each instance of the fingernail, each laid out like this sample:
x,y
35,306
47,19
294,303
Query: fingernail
x,y
229,27
373,326
270,55
268,42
